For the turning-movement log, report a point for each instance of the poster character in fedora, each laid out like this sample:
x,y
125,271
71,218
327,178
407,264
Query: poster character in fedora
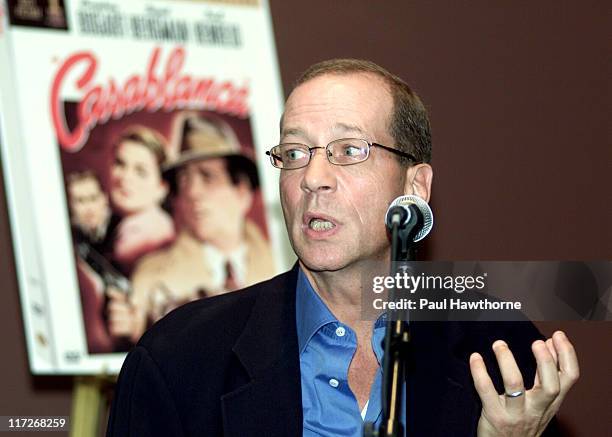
x,y
218,247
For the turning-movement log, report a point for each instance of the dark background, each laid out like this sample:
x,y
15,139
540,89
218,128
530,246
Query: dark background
x,y
518,93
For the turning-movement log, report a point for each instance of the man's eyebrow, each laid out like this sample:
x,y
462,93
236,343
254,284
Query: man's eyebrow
x,y
344,127
292,131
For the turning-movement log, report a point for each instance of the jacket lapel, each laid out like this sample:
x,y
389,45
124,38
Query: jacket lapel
x,y
271,403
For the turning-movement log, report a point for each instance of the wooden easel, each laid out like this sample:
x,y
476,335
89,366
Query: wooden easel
x,y
89,402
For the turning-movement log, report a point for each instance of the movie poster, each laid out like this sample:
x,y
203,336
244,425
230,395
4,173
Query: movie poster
x,y
133,150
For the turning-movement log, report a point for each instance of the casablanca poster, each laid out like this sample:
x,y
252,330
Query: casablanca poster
x,y
133,140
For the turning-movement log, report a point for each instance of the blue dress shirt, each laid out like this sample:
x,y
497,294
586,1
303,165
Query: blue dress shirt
x,y
326,349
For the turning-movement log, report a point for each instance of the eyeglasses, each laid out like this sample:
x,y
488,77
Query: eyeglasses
x,y
345,151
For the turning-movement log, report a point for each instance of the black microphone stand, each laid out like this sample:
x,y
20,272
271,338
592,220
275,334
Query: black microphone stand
x,y
397,336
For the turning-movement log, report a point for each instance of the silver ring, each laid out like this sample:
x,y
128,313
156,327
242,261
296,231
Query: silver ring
x,y
515,394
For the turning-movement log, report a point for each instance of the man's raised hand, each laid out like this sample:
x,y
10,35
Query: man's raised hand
x,y
520,412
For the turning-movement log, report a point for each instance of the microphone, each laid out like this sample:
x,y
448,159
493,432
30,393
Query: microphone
x,y
410,210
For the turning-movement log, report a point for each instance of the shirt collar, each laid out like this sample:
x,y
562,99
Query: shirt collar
x,y
378,337
311,312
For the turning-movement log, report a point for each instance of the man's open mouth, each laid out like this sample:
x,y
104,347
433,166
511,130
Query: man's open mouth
x,y
318,224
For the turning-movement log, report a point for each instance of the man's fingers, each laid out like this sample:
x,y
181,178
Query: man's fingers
x,y
120,318
483,384
116,295
551,349
119,329
119,312
124,318
549,386
511,375
568,361
118,307
120,325
553,352
120,322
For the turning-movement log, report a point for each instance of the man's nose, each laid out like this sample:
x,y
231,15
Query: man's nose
x,y
320,174
193,188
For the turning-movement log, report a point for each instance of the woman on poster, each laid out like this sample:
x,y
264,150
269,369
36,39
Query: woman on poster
x,y
137,191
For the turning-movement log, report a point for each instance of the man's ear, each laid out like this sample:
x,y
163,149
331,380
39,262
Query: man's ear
x,y
418,180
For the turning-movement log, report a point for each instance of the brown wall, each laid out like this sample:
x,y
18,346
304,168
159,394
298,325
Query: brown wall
x,y
518,93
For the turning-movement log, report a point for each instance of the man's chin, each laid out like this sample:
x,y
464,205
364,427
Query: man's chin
x,y
324,262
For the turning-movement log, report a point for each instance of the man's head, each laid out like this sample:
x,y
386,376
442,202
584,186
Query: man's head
x,y
335,214
212,181
408,122
87,202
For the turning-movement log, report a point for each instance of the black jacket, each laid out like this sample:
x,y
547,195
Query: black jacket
x,y
229,366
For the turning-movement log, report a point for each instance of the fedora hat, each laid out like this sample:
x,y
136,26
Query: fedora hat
x,y
202,137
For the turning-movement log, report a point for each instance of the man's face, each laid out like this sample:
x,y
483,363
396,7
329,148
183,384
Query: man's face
x,y
211,206
335,214
88,204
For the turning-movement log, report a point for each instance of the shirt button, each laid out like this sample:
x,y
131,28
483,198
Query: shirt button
x,y
333,382
340,331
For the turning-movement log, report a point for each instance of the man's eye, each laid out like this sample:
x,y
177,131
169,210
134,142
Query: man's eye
x,y
350,150
295,154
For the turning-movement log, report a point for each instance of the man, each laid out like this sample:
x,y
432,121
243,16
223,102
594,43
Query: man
x,y
292,356
92,234
90,213
218,248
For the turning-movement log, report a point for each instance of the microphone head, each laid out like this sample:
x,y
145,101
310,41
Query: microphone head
x,y
423,207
